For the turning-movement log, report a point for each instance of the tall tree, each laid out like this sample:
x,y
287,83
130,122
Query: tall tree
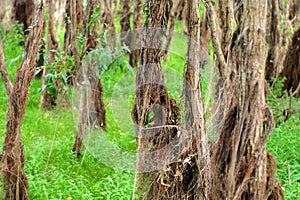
x,y
194,110
13,161
155,113
48,100
92,113
242,169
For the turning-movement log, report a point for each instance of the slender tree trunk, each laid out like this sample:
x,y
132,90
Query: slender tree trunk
x,y
291,64
135,42
276,53
67,36
194,109
108,12
15,181
125,23
48,101
93,113
242,169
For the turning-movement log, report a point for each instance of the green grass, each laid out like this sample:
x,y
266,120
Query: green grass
x,y
54,173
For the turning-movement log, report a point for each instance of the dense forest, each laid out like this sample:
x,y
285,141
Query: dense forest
x,y
148,99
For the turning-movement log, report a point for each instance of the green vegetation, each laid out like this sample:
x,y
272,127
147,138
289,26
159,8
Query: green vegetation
x,y
54,172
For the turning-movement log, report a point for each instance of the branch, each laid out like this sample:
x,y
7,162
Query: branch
x,y
3,71
215,39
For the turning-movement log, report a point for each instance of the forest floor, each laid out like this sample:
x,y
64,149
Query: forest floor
x,y
54,172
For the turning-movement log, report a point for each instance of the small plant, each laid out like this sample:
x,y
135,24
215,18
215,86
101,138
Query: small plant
x,y
58,74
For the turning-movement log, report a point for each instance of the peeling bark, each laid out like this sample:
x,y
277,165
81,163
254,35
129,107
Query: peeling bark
x,y
135,41
242,169
13,161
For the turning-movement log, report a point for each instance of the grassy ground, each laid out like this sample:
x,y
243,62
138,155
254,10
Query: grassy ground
x,y
54,173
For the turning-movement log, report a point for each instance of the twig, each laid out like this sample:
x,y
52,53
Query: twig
x,y
165,126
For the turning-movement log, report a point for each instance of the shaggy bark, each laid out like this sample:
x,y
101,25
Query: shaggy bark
x,y
135,42
221,24
155,113
3,70
13,161
173,17
292,65
242,169
194,109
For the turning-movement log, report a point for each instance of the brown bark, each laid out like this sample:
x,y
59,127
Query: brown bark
x,y
48,101
173,18
242,169
3,71
72,32
294,12
15,181
91,28
155,133
125,23
93,113
67,36
3,5
108,12
194,109
277,50
135,42
291,64
23,13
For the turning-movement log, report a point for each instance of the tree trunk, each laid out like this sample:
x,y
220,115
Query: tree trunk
x,y
108,12
194,109
276,53
125,23
242,169
67,36
155,113
23,13
135,42
15,181
292,65
48,101
294,15
93,113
